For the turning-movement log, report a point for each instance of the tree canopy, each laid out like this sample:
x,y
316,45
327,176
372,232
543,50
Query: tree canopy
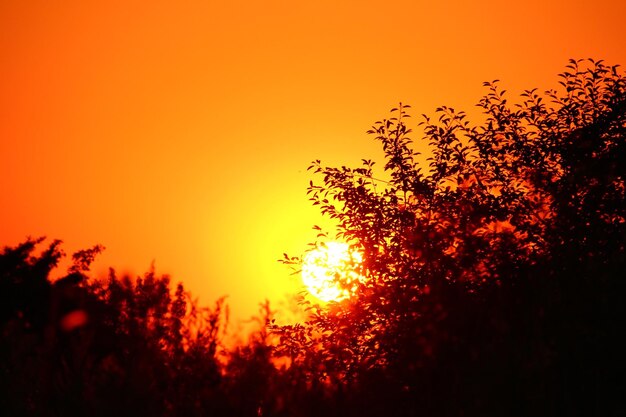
x,y
514,228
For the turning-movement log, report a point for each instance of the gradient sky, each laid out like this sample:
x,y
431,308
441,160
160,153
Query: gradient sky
x,y
180,131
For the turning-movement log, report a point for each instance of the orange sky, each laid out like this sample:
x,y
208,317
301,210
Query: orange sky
x,y
180,131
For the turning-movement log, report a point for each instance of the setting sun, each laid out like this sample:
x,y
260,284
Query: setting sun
x,y
328,272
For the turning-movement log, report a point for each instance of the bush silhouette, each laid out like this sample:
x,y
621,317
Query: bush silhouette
x,y
493,287
78,346
492,272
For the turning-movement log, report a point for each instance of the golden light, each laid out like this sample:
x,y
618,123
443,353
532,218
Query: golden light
x,y
329,271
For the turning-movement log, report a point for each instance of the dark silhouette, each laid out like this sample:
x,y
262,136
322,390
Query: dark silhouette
x,y
494,272
494,287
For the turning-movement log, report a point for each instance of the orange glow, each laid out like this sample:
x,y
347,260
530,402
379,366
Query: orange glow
x,y
180,132
328,272
73,320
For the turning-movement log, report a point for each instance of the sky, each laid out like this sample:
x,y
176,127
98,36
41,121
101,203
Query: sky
x,y
179,132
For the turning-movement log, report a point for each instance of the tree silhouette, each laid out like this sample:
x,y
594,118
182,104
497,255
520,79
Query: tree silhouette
x,y
493,287
491,271
77,346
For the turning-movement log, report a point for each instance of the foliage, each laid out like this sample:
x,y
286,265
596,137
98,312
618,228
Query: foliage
x,y
77,346
493,287
481,258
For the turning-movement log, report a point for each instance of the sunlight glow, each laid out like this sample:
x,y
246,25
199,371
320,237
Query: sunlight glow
x,y
328,272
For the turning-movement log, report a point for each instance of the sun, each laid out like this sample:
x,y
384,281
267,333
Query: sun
x,y
328,271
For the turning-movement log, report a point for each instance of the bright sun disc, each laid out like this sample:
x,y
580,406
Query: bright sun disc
x,y
325,268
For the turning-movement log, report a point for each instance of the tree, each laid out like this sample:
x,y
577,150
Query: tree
x,y
81,346
477,263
